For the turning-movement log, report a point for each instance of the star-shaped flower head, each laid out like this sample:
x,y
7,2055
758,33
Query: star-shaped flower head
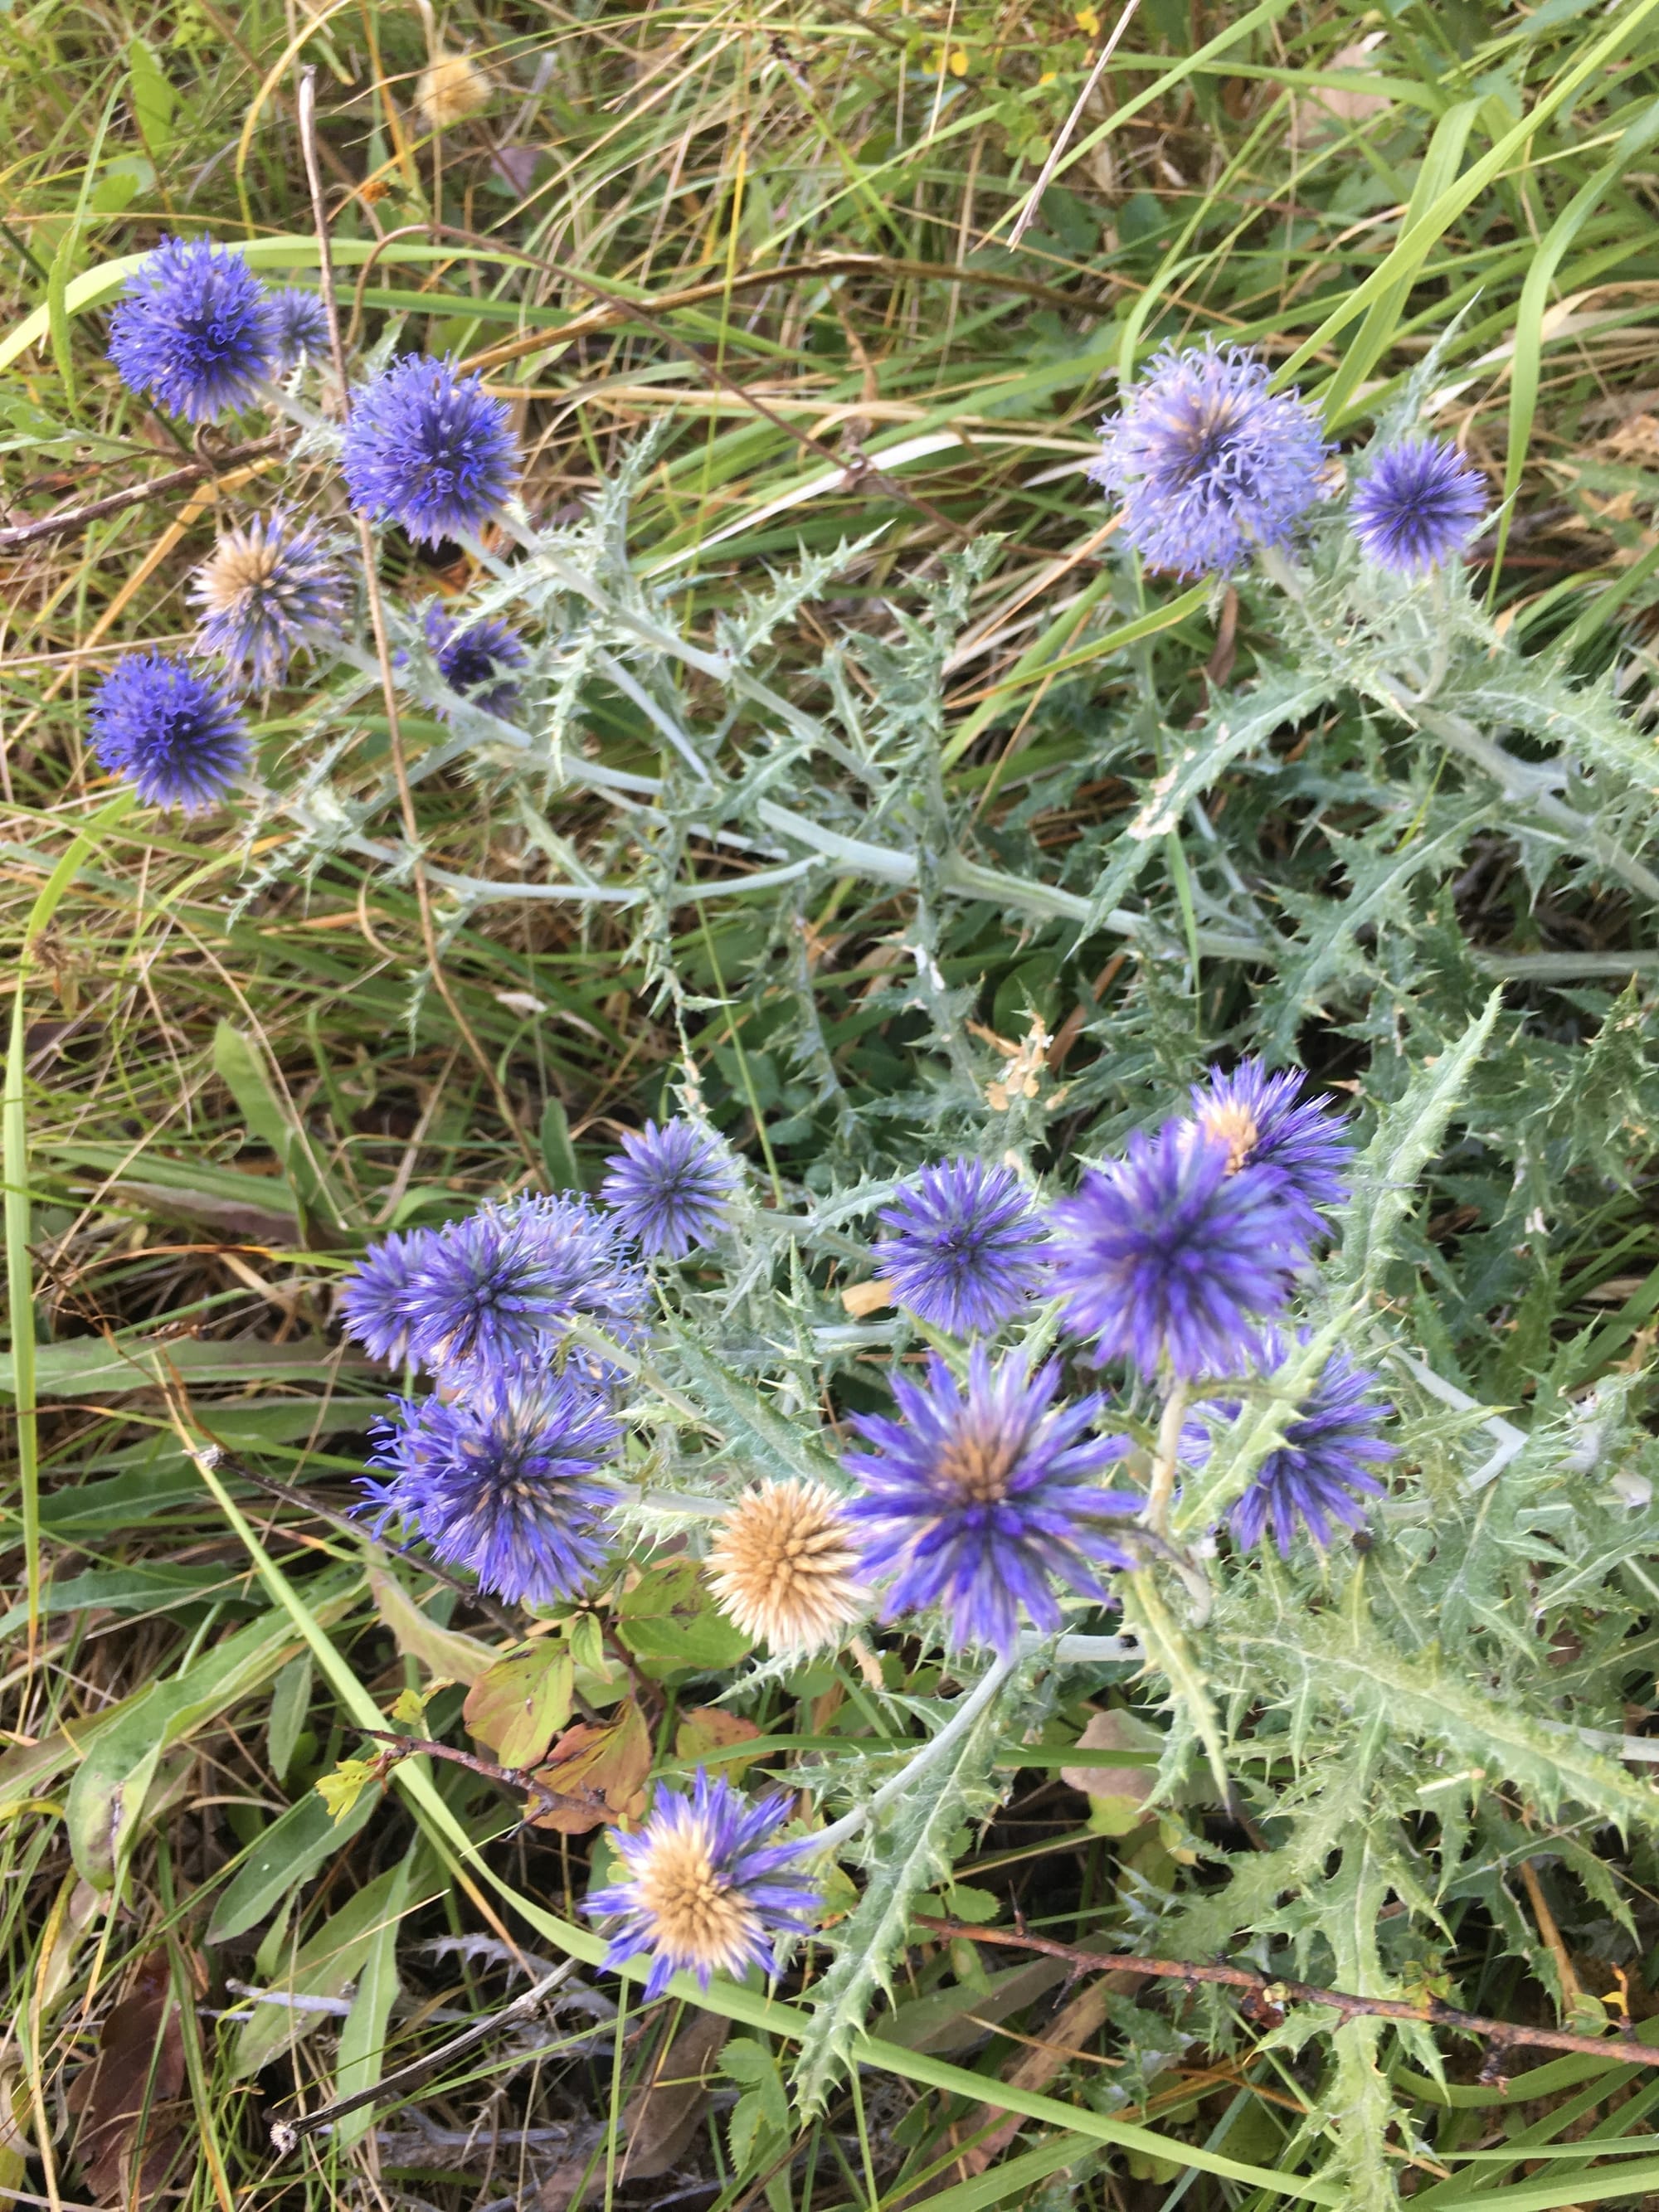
x,y
1323,1469
1265,1123
172,732
1207,462
974,1500
505,1482
264,589
705,1893
1420,507
669,1189
965,1246
194,329
429,449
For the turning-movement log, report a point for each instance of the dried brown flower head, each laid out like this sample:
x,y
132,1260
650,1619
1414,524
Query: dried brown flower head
x,y
785,1568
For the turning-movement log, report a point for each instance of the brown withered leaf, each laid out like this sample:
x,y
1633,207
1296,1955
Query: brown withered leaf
x,y
658,2121
603,1768
132,2119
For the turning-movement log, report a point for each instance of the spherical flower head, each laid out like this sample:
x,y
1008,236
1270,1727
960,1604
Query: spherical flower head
x,y
428,448
1171,1258
784,1566
669,1187
966,1248
473,659
375,1302
974,1499
1265,1124
194,329
1420,507
705,1893
505,1482
171,731
1322,1469
506,1283
299,323
262,590
1208,463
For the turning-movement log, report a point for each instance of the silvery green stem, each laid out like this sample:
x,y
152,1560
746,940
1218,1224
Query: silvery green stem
x,y
910,1773
1079,1650
1166,1458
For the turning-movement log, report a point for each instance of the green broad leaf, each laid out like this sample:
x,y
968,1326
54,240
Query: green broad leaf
x,y
120,1752
557,1149
518,1705
150,1586
361,2059
101,1367
669,1619
326,1966
291,1850
911,1854
290,1706
152,97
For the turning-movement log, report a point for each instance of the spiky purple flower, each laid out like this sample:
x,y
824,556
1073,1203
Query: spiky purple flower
x,y
1265,1124
264,588
1420,507
705,1893
173,733
428,448
505,1482
1322,1469
966,1248
374,1304
300,321
474,658
506,1282
1169,1258
973,1499
1207,462
669,1187
193,329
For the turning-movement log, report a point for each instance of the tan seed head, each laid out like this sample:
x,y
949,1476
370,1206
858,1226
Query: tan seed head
x,y
700,1921
784,1566
1235,1126
451,90
239,570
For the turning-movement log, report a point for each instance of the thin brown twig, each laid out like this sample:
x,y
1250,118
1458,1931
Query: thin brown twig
x,y
539,1797
1623,2049
18,534
308,126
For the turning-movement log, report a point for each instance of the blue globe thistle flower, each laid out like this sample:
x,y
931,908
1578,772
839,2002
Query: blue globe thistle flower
x,y
668,1188
505,1482
429,449
967,1248
261,590
1420,507
507,1283
1208,463
974,1499
705,1893
300,324
1169,1258
193,329
1322,1469
374,1304
1257,1116
173,733
473,659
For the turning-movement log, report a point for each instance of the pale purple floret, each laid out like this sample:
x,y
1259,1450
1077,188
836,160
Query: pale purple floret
x,y
1171,1260
974,1500
301,324
266,588
704,1890
429,449
194,329
669,1189
505,1482
1207,463
965,1247
1420,507
1322,1471
171,731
